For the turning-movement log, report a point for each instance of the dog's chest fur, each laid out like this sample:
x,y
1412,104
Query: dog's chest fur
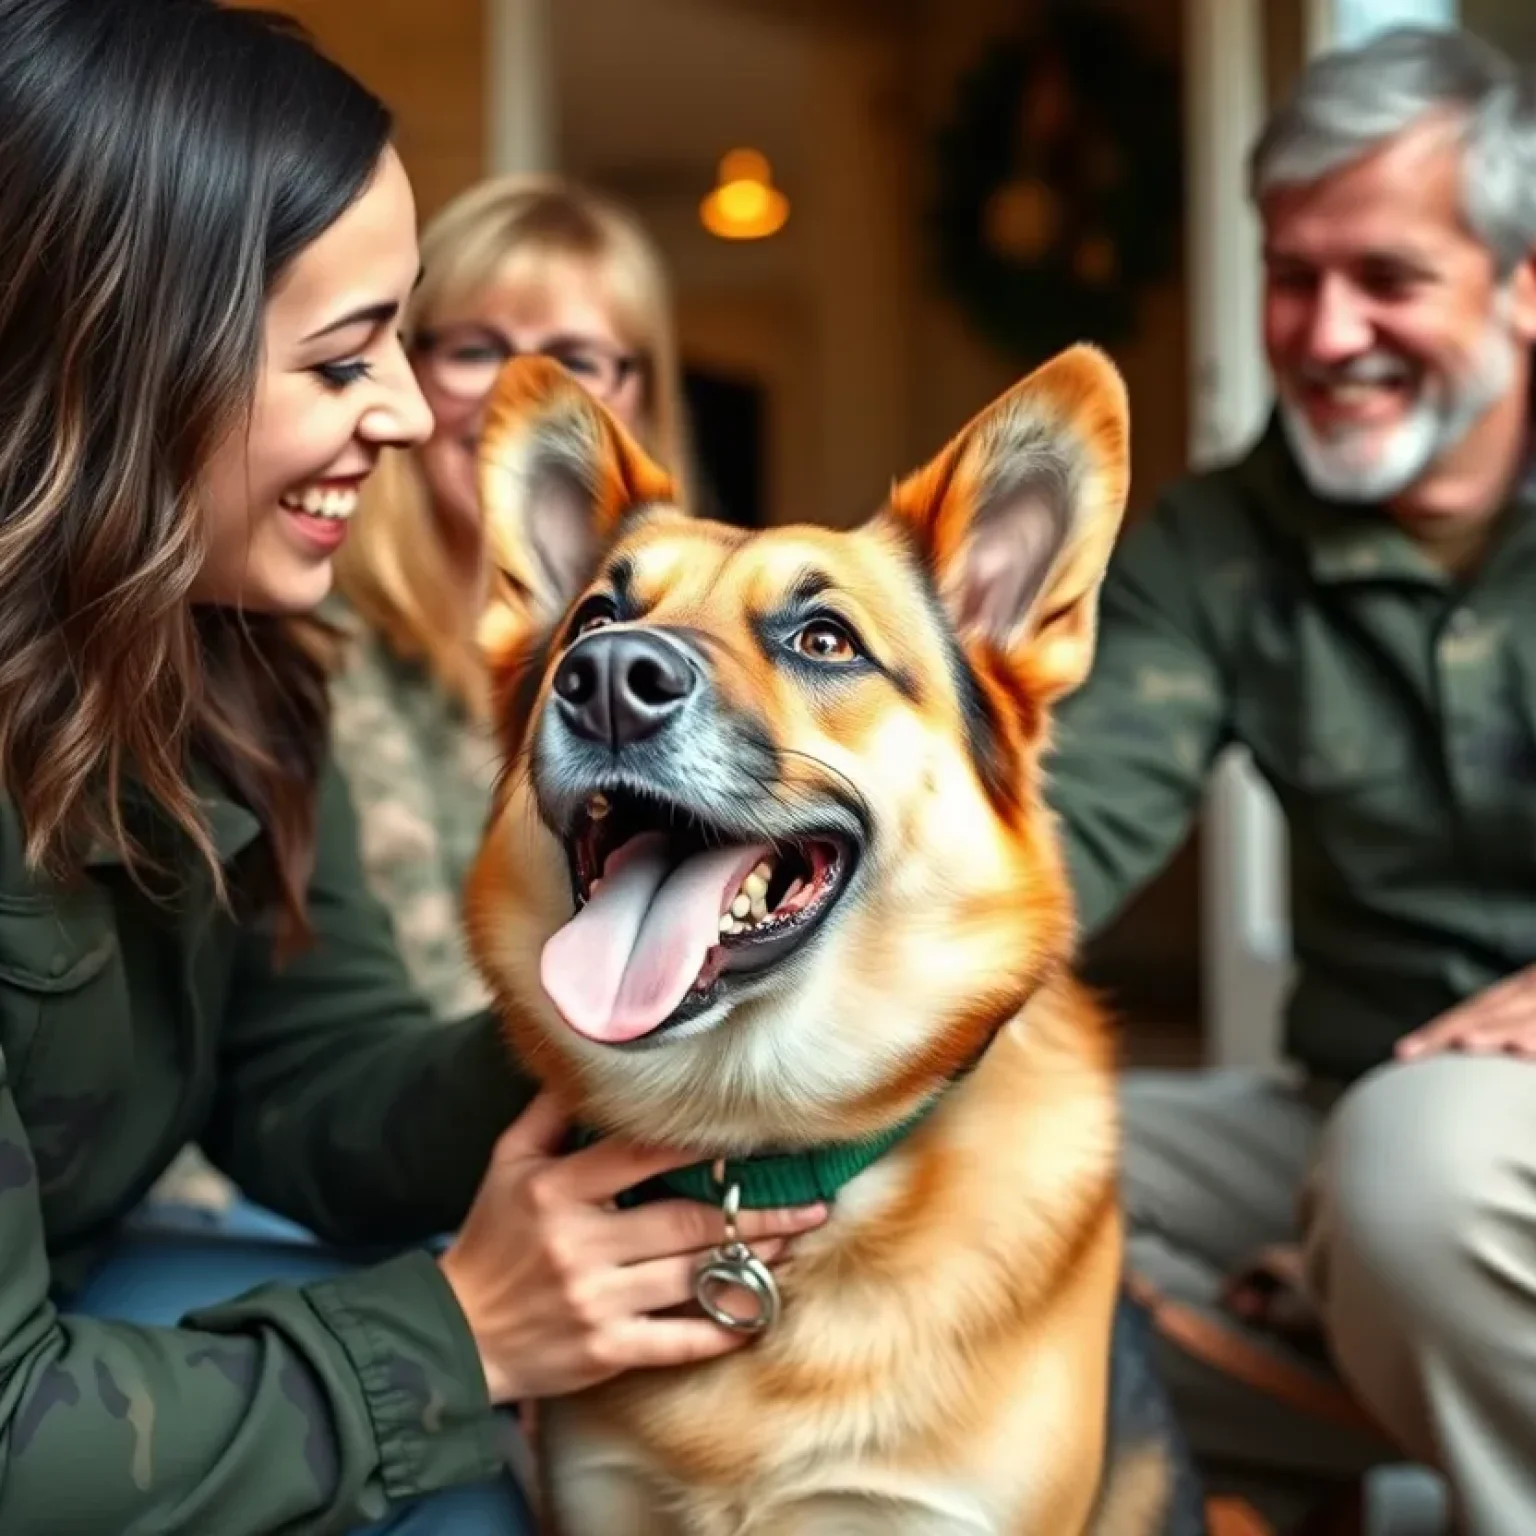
x,y
940,1365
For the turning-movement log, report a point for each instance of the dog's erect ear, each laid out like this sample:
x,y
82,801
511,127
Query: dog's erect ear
x,y
557,476
1017,517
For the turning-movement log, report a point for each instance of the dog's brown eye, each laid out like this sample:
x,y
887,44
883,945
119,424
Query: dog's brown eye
x,y
596,613
822,640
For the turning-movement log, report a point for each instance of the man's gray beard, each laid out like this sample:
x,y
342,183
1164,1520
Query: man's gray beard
x,y
1443,414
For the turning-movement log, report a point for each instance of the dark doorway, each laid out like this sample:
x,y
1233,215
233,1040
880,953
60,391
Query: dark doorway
x,y
727,415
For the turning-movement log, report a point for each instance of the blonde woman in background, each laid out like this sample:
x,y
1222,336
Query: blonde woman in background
x,y
512,266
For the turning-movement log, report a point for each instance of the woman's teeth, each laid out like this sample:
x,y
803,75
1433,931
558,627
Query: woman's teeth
x,y
336,502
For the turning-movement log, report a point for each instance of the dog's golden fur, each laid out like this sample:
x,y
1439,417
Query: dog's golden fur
x,y
942,1361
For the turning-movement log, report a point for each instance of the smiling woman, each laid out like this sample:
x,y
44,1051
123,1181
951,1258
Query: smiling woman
x,y
335,388
148,463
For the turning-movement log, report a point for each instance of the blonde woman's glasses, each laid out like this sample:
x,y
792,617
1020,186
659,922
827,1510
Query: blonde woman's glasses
x,y
463,360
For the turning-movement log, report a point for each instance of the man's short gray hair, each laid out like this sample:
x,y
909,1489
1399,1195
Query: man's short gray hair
x,y
1352,100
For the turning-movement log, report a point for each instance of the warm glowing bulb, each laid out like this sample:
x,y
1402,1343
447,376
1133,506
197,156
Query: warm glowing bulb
x,y
745,205
743,202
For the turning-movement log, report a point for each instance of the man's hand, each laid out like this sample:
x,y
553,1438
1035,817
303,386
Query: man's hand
x,y
1500,1021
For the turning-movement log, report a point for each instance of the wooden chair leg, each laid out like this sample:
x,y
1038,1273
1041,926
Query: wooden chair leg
x,y
1234,1517
1342,1515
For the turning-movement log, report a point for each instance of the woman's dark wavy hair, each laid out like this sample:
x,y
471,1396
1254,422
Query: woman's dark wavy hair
x,y
161,162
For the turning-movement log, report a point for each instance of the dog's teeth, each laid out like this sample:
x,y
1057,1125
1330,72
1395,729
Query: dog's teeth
x,y
727,922
759,909
755,885
742,905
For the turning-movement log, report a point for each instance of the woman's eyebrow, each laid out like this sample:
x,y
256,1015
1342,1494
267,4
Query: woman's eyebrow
x,y
371,314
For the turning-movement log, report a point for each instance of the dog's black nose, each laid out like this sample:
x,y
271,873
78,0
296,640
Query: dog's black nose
x,y
623,686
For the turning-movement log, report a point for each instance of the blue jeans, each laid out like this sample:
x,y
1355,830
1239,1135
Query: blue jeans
x,y
170,1262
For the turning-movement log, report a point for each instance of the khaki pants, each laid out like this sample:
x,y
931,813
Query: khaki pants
x,y
1415,1196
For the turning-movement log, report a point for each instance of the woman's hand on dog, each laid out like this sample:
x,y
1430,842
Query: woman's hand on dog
x,y
561,1290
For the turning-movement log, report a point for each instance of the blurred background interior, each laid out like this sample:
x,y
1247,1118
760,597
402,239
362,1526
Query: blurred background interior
x,y
934,195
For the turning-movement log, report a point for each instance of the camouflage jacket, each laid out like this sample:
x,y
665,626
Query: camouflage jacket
x,y
326,1089
420,771
1391,707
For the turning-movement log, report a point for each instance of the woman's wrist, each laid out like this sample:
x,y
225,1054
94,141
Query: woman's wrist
x,y
498,1384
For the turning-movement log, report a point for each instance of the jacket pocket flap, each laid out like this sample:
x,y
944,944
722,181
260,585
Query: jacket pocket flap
x,y
55,948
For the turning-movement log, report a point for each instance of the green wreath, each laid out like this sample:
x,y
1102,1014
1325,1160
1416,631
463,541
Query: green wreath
x,y
1059,183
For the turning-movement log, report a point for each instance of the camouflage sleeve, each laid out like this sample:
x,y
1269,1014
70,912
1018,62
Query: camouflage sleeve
x,y
405,861
1133,746
295,1409
343,1103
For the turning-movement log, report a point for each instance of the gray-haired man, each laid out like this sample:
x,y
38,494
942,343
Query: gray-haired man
x,y
1356,603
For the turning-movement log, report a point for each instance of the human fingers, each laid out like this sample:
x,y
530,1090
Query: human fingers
x,y
1504,1036
658,1285
539,1130
597,1173
656,1343
1510,1002
688,1226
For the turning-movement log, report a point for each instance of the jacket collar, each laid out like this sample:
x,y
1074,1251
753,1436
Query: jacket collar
x,y
1347,543
231,826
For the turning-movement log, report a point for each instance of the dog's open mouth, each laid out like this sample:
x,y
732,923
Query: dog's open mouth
x,y
670,908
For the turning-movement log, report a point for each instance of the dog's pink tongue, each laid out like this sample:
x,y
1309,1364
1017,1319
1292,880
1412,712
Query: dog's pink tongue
x,y
619,968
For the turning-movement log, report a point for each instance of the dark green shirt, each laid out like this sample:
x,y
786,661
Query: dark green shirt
x,y
1391,707
327,1091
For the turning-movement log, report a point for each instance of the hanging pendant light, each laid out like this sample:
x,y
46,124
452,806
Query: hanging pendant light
x,y
745,204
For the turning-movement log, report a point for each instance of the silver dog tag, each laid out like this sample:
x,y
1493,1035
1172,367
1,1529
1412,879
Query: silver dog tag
x,y
734,1264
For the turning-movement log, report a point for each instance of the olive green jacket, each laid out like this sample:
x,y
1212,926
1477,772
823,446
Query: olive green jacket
x,y
1392,709
326,1090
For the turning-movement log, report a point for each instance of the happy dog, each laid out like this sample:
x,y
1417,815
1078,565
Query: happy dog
x,y
769,875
